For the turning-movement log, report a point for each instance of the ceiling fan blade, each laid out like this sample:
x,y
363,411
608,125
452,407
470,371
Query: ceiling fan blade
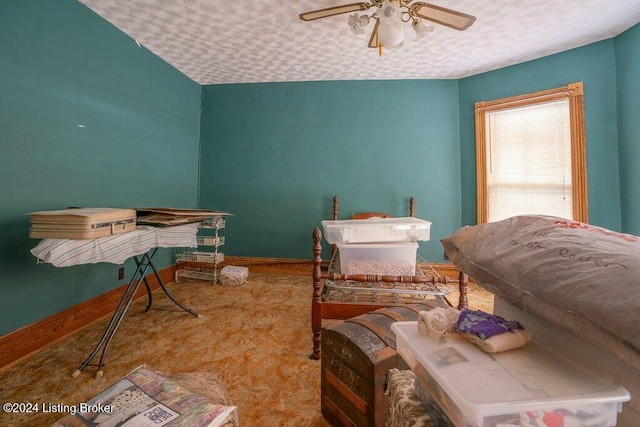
x,y
373,41
336,10
440,15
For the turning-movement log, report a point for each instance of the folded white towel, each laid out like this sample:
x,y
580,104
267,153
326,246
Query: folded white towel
x,y
501,342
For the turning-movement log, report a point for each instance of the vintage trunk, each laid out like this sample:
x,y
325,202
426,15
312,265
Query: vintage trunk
x,y
356,357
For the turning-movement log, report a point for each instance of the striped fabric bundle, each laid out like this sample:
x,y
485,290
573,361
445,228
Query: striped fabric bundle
x,y
115,249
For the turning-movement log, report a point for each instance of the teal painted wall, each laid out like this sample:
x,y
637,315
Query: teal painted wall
x,y
275,154
62,66
595,66
272,154
628,71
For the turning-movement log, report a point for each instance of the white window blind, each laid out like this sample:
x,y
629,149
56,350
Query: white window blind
x,y
528,156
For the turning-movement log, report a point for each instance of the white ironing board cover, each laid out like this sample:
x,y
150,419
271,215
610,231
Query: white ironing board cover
x,y
115,249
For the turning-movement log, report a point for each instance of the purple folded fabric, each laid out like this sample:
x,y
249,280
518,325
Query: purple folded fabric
x,y
484,325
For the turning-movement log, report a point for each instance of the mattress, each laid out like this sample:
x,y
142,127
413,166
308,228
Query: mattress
x,y
580,277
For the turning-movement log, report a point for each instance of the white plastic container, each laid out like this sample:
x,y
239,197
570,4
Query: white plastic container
x,y
376,230
232,275
395,258
477,389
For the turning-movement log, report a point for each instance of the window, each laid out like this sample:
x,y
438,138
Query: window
x,y
531,157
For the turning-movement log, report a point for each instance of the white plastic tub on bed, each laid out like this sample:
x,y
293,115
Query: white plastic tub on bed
x,y
393,258
373,230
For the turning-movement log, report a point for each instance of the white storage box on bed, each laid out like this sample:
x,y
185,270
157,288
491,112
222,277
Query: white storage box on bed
x,y
393,258
372,230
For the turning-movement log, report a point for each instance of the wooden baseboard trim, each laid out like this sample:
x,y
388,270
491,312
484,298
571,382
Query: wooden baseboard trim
x,y
28,340
303,266
273,265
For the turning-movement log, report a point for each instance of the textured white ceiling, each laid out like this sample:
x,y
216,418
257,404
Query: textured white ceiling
x,y
223,41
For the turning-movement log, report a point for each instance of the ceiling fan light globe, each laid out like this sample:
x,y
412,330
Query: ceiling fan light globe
x,y
390,13
358,23
421,29
390,36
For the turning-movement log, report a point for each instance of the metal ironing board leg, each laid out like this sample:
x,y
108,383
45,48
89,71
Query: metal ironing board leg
x,y
166,291
161,282
137,279
146,283
117,317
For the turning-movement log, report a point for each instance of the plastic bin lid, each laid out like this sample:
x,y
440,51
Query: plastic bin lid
x,y
404,223
482,384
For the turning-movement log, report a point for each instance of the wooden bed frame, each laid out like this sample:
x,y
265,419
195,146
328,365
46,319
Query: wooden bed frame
x,y
326,309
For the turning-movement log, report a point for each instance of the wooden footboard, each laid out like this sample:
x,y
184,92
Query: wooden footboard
x,y
345,310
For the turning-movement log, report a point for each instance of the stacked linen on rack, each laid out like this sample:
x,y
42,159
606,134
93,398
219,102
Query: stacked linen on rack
x,y
490,332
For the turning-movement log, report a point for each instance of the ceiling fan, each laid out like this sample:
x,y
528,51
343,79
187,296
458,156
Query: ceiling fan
x,y
389,17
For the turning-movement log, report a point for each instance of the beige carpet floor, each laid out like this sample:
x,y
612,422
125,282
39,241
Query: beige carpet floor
x,y
256,338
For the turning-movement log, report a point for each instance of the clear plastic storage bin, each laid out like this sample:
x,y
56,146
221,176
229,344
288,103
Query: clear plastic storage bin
x,y
376,230
397,258
511,388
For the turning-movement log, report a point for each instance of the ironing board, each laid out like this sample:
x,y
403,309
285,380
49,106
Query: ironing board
x,y
141,244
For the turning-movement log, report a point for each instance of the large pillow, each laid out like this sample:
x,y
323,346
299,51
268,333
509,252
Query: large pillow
x,y
583,278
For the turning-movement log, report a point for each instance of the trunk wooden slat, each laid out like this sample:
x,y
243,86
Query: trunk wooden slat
x,y
356,357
